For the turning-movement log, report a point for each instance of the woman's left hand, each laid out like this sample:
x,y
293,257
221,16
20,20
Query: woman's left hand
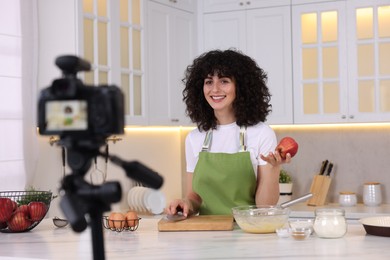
x,y
275,159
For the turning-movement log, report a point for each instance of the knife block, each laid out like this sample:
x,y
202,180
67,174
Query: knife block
x,y
319,188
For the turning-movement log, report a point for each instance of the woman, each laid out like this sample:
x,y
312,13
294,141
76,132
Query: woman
x,y
231,157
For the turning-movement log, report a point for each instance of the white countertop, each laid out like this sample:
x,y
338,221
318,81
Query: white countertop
x,y
48,242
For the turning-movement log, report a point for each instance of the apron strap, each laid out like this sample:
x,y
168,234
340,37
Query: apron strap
x,y
207,141
242,139
209,136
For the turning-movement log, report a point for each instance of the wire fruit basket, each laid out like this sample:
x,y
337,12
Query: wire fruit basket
x,y
21,211
121,225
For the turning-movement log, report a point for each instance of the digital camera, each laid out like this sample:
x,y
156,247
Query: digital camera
x,y
70,108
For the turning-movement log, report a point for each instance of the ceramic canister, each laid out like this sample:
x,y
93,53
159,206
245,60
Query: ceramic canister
x,y
372,194
347,199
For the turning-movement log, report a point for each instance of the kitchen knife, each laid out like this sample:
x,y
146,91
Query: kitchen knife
x,y
329,169
323,167
177,217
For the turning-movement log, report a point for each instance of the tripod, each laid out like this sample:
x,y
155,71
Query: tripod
x,y
81,199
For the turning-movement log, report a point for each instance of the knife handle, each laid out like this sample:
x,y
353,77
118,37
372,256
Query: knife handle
x,y
329,169
323,167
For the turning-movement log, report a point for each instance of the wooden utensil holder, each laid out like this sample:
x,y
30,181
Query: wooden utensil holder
x,y
319,188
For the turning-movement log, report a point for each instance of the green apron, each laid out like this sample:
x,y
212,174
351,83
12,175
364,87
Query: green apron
x,y
224,180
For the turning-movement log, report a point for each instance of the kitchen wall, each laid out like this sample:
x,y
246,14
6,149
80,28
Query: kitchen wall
x,y
360,154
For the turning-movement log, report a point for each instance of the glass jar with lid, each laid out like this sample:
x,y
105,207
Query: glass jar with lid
x,y
330,223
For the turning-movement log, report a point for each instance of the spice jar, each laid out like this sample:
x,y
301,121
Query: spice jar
x,y
330,223
347,199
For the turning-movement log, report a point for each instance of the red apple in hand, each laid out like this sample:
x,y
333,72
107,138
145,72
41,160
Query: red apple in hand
x,y
19,221
37,210
6,209
287,145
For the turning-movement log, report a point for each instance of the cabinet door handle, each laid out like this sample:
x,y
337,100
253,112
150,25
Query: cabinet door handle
x,y
174,120
351,117
248,2
343,117
241,3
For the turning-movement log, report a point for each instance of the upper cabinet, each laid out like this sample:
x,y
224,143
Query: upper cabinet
x,y
111,37
171,46
341,61
185,5
369,60
211,6
262,33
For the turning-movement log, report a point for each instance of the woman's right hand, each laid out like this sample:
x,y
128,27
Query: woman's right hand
x,y
179,205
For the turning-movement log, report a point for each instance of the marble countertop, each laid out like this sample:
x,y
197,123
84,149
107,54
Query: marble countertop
x,y
48,242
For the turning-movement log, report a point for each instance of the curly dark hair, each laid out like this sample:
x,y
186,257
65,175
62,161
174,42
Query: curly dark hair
x,y
252,103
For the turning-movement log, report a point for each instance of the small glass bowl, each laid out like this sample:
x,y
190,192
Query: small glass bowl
x,y
300,233
302,223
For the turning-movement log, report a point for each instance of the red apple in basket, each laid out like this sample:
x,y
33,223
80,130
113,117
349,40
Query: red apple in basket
x,y
6,209
37,210
23,208
287,145
19,221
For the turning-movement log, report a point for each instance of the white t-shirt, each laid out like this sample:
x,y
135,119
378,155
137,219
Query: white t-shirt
x,y
259,139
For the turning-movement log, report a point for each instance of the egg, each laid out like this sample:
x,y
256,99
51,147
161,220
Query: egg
x,y
116,220
131,219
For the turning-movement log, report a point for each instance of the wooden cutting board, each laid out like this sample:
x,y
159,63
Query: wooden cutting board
x,y
198,223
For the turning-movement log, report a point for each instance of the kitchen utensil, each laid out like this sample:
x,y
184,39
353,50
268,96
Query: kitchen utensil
x,y
107,155
320,185
377,226
323,167
198,223
97,175
264,218
177,217
59,222
63,160
120,225
294,201
301,223
330,167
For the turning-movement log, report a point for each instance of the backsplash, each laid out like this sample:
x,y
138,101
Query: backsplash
x,y
360,154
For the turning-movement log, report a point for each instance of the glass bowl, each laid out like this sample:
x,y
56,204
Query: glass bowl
x,y
260,219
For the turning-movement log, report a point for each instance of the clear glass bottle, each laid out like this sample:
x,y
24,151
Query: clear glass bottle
x,y
330,223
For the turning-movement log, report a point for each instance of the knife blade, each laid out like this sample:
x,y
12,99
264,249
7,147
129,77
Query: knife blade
x,y
329,169
323,167
177,217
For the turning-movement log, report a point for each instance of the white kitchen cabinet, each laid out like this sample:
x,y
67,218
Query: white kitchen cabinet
x,y
341,61
320,69
186,5
265,35
171,45
212,6
369,60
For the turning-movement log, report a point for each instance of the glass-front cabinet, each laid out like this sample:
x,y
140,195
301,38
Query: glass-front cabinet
x,y
320,63
369,59
341,55
111,39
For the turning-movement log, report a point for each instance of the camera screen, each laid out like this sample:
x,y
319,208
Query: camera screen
x,y
68,115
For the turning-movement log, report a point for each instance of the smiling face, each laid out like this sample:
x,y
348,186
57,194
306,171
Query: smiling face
x,y
220,92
